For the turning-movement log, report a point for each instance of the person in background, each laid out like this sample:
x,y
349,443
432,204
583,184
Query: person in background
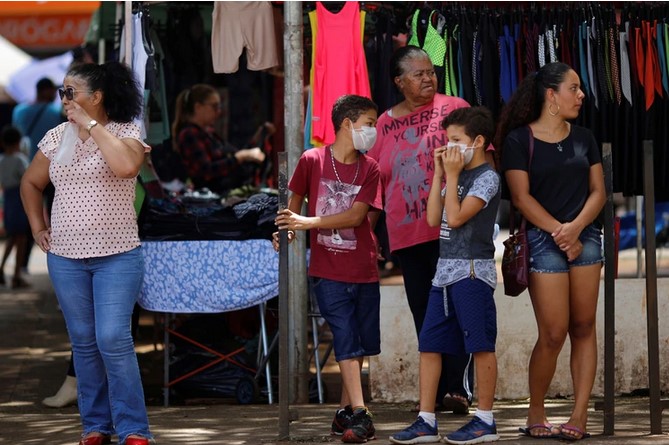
x,y
34,120
209,161
93,251
13,164
341,184
461,315
408,134
560,196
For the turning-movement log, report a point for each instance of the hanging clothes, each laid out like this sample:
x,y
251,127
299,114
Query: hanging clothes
x,y
339,67
428,37
139,58
384,93
243,25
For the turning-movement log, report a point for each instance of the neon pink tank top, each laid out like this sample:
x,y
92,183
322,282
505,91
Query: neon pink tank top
x,y
339,67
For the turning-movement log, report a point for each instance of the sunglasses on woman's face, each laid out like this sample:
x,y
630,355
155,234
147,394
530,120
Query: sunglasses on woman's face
x,y
69,92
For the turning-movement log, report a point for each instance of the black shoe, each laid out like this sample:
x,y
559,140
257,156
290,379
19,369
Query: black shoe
x,y
361,428
341,420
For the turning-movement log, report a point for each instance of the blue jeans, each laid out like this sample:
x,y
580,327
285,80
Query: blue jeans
x,y
546,256
352,312
97,296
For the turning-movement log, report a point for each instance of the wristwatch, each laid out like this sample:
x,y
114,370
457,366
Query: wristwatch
x,y
90,125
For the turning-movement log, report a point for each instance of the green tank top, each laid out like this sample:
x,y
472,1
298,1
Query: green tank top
x,y
434,44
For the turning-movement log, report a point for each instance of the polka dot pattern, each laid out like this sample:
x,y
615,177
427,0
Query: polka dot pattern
x,y
93,210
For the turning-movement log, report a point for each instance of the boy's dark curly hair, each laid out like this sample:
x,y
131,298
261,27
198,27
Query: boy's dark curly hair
x,y
475,120
350,106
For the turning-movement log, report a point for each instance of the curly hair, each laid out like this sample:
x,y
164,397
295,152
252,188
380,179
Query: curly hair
x,y
121,96
475,121
528,100
350,106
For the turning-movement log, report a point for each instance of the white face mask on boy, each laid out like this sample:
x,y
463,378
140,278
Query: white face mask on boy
x,y
467,152
363,138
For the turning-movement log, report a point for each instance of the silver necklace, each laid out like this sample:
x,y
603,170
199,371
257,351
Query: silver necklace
x,y
559,144
357,168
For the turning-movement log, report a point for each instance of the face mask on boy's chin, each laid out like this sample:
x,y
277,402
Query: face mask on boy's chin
x,y
363,138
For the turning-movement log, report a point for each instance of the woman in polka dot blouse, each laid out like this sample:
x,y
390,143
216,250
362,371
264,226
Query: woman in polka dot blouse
x,y
93,250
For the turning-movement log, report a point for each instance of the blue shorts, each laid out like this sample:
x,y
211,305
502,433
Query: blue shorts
x,y
352,311
546,256
469,326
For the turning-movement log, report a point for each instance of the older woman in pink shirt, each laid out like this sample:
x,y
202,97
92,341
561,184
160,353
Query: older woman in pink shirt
x,y
92,243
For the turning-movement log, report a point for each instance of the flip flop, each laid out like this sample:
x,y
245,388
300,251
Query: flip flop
x,y
527,431
457,404
574,429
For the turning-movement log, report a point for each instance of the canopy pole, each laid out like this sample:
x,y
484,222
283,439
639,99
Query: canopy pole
x,y
127,24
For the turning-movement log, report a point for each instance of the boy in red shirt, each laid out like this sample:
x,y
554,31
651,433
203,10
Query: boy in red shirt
x,y
341,183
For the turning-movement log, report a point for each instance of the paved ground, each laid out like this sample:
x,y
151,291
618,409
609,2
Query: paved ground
x,y
34,351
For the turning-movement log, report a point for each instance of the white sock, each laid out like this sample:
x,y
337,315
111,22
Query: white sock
x,y
429,418
486,416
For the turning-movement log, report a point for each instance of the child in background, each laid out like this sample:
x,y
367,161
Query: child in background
x,y
341,184
13,164
461,315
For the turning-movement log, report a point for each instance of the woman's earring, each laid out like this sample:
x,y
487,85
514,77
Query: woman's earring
x,y
550,111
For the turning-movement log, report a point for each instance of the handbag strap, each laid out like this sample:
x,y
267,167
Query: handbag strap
x,y
512,219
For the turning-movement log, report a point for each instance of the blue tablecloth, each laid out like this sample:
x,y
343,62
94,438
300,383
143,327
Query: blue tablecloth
x,y
208,276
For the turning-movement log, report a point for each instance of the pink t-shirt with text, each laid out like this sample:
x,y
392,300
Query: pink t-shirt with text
x,y
404,150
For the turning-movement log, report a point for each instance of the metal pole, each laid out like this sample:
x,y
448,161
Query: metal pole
x,y
294,122
639,238
128,34
284,374
651,291
167,320
609,296
265,351
101,51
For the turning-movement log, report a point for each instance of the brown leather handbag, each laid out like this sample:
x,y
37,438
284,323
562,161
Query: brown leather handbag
x,y
516,258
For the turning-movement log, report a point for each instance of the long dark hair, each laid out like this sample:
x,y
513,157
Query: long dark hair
x,y
122,99
528,100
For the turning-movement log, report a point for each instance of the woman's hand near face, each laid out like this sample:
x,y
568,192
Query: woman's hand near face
x,y
76,114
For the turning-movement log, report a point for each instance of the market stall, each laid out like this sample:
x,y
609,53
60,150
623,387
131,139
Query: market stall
x,y
211,277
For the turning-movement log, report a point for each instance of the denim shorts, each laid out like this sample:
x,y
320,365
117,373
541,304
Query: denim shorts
x,y
546,256
469,325
352,312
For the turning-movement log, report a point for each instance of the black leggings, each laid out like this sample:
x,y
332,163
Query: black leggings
x,y
419,264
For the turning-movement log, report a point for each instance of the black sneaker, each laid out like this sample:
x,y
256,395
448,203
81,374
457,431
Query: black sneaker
x,y
341,420
360,429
